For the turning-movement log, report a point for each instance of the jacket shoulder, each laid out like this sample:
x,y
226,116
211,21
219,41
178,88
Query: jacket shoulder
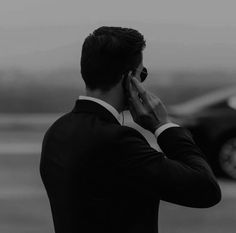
x,y
124,134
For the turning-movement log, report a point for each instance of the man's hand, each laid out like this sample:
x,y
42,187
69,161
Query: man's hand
x,y
146,109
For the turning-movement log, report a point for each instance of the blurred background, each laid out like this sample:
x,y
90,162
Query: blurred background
x,y
190,56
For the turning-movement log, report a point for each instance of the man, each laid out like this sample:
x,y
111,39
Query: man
x,y
101,176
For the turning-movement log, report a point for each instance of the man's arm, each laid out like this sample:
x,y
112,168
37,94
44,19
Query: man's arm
x,y
186,167
181,174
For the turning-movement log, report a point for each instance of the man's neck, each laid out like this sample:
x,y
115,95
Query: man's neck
x,y
110,97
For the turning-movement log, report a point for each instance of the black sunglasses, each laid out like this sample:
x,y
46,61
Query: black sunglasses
x,y
143,74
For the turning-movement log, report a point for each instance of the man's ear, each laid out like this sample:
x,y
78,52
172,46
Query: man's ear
x,y
133,72
127,80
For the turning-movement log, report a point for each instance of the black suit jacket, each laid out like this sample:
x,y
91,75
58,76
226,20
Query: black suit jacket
x,y
104,177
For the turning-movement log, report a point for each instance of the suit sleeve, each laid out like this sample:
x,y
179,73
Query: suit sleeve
x,y
179,175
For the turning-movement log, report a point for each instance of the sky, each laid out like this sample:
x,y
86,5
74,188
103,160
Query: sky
x,y
180,34
44,12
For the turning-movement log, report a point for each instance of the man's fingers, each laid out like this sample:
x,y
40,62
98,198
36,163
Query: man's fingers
x,y
132,92
154,99
138,86
143,94
136,104
135,101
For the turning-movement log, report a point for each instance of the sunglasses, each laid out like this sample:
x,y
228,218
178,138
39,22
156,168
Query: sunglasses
x,y
143,74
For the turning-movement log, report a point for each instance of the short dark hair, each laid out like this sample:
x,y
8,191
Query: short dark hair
x,y
108,53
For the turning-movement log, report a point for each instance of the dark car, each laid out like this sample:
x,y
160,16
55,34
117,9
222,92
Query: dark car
x,y
211,119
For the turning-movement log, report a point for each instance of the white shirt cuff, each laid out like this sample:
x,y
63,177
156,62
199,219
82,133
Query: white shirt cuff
x,y
163,128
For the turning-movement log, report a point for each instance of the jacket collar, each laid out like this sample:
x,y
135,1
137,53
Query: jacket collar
x,y
109,107
88,106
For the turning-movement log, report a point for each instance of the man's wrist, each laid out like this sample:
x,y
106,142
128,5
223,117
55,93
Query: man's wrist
x,y
161,128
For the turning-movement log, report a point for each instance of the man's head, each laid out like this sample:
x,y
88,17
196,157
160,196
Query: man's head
x,y
108,54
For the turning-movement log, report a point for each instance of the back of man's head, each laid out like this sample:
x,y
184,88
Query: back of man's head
x,y
108,53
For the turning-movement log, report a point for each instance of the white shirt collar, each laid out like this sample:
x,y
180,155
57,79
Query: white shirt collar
x,y
110,108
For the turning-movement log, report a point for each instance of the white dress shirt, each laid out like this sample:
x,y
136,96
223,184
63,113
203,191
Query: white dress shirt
x,y
116,114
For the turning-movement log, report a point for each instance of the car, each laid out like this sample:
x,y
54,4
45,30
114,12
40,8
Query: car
x,y
211,119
